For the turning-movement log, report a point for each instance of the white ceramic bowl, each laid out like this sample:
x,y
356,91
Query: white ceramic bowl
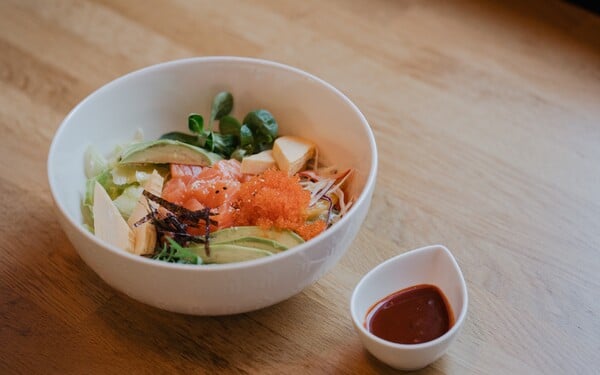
x,y
158,99
433,265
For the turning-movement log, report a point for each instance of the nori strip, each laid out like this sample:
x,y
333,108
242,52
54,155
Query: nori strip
x,y
175,222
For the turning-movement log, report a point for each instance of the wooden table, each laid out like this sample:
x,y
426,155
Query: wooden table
x,y
487,118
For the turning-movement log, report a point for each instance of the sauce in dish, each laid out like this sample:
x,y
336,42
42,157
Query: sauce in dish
x,y
413,315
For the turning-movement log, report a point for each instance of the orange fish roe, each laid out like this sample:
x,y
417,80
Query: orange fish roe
x,y
309,230
274,199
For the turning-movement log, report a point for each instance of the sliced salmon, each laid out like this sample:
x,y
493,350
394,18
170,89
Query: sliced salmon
x,y
216,187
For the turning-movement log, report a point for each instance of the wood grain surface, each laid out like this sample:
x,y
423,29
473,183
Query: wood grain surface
x,y
487,119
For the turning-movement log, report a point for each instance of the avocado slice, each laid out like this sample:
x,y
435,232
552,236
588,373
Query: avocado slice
x,y
287,238
166,151
228,253
256,243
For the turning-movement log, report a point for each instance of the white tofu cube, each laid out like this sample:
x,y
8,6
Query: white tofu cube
x,y
292,153
258,163
145,234
109,225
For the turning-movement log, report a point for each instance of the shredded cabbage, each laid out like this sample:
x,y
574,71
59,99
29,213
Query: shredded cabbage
x,y
127,201
114,178
124,174
327,196
95,163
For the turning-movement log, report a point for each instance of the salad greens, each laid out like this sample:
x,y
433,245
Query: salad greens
x,y
263,127
222,106
175,253
235,139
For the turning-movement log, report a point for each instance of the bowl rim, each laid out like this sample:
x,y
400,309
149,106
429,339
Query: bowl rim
x,y
362,197
424,345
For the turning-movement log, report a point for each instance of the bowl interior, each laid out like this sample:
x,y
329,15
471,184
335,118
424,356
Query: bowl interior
x,y
158,99
429,265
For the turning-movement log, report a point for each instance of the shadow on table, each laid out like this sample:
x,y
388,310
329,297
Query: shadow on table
x,y
591,5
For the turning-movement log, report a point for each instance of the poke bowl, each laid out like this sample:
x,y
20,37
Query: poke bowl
x,y
162,99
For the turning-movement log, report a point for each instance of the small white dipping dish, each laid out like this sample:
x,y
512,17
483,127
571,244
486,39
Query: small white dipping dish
x,y
433,265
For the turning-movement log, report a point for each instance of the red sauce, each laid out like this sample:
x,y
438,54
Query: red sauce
x,y
413,315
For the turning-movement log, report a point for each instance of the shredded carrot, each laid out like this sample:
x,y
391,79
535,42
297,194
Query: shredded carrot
x,y
274,199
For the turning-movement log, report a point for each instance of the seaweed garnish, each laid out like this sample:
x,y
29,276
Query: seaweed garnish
x,y
172,224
